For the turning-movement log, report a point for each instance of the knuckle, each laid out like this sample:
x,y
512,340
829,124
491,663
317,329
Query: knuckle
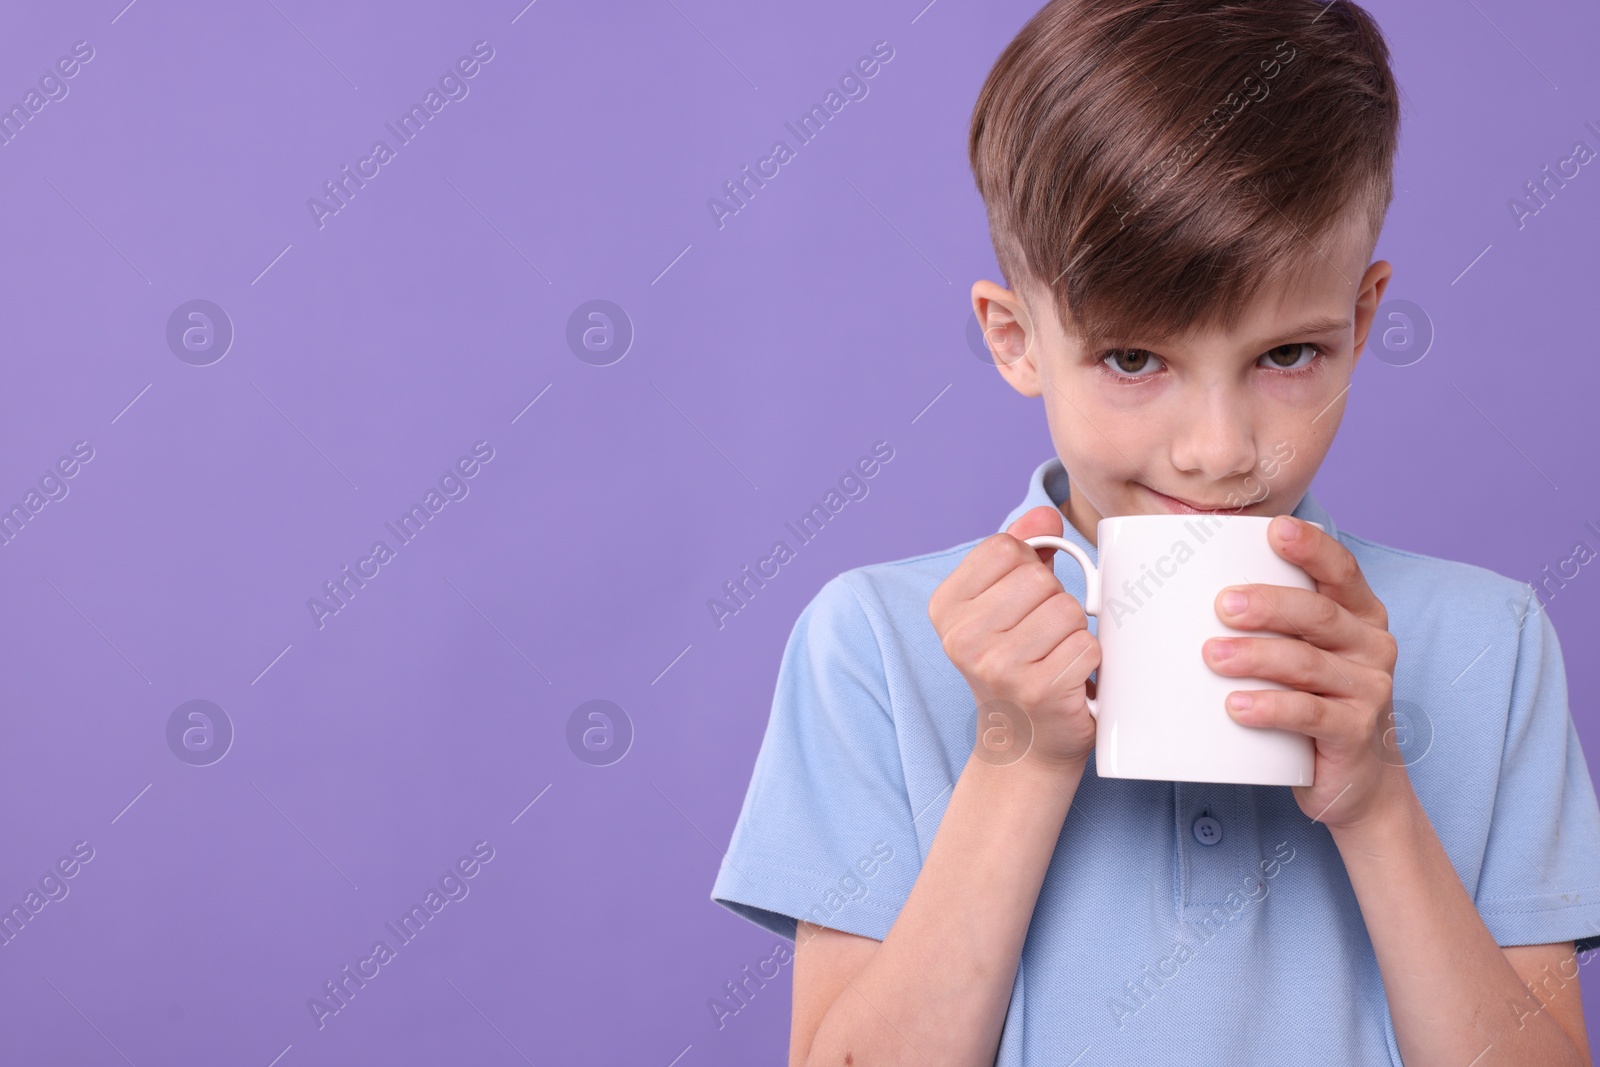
x,y
1077,656
952,650
1382,687
1348,569
1067,610
1390,648
1311,711
992,549
1005,546
1292,666
1327,612
992,662
1042,581
1087,646
1315,666
956,642
1375,726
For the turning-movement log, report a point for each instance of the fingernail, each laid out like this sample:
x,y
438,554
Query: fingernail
x,y
1234,602
1221,649
1239,701
1288,529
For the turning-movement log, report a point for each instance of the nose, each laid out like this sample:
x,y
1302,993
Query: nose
x,y
1216,436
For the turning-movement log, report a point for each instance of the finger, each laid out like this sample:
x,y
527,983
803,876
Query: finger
x,y
1330,565
1292,662
1011,600
1326,720
989,561
1042,519
1302,613
998,554
1071,662
1048,625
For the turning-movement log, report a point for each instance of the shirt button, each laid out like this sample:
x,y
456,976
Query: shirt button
x,y
1207,830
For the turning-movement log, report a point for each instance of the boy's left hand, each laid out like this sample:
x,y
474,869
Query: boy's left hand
x,y
1337,657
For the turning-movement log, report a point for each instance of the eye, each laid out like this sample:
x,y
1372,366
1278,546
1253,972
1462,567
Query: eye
x,y
1287,357
1127,362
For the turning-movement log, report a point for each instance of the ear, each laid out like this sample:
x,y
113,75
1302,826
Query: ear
x,y
1011,335
1373,283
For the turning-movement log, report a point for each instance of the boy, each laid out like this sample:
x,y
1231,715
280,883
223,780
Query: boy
x,y
1184,197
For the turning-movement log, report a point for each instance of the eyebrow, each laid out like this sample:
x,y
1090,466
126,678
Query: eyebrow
x,y
1315,326
1312,327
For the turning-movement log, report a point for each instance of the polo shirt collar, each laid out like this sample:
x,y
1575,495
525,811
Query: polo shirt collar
x,y
1048,487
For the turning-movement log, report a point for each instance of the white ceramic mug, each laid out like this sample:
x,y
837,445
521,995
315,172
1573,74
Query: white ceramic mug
x,y
1158,704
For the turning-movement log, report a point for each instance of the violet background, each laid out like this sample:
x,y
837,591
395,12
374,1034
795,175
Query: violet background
x,y
828,314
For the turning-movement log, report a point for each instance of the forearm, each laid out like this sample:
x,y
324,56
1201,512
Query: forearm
x,y
937,989
1454,997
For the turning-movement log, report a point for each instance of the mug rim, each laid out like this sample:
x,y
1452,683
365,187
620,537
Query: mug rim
x,y
1188,518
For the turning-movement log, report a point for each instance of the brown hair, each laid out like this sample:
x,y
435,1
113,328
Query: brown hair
x,y
1152,163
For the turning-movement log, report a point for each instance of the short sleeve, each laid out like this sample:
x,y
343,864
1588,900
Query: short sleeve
x,y
826,831
1540,881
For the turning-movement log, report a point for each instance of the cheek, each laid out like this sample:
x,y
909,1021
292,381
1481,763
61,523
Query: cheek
x,y
1291,453
1127,406
1109,431
1073,413
1109,423
1315,390
1306,414
1093,391
1102,451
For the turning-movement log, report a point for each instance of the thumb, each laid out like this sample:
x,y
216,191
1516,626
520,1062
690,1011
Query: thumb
x,y
1035,521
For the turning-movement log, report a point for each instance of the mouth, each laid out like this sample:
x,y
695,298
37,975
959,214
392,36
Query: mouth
x,y
1185,507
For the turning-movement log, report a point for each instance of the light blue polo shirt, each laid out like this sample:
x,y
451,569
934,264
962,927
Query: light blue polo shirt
x,y
1178,922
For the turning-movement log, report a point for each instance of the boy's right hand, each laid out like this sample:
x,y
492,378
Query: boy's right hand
x,y
1022,643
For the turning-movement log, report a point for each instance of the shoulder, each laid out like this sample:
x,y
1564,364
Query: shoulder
x,y
1430,588
898,588
877,614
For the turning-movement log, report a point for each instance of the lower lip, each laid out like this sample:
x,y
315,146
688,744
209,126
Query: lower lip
x,y
1178,507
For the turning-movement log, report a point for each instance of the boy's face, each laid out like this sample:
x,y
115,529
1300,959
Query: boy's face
x,y
1222,421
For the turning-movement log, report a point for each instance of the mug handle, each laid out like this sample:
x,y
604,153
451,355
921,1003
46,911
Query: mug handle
x,y
1091,584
